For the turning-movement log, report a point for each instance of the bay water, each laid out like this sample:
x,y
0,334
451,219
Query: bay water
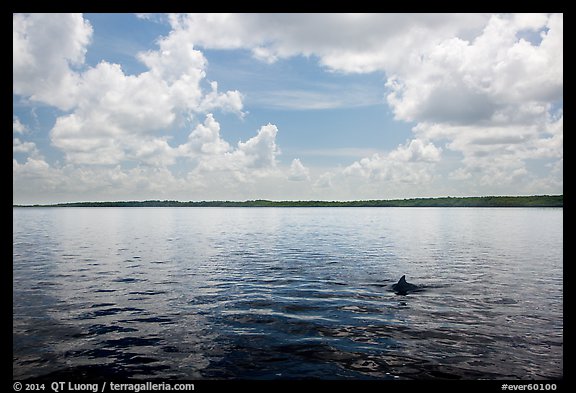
x,y
287,293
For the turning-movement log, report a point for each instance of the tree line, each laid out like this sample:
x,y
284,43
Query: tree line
x,y
484,201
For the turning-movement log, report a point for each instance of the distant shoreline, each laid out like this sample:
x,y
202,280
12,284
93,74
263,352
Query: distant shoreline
x,y
485,201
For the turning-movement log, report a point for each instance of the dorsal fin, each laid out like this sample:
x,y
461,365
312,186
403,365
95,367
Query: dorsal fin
x,y
402,279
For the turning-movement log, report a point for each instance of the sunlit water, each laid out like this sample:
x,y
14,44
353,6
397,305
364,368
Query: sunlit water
x,y
287,293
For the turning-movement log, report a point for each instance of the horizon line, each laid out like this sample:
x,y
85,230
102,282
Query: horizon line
x,y
301,201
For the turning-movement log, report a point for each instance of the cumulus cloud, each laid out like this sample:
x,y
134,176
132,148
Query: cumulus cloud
x,y
119,112
36,181
205,139
115,119
17,126
206,145
217,169
260,151
175,59
298,172
343,42
483,80
217,162
412,163
491,98
114,116
498,154
230,101
325,181
482,89
24,147
416,150
21,146
484,85
45,48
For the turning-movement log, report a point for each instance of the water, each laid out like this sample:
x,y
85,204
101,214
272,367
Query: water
x,y
287,293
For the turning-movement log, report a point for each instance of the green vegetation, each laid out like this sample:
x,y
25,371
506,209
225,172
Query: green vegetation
x,y
486,201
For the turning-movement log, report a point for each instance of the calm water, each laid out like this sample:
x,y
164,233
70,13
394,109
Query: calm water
x,y
267,293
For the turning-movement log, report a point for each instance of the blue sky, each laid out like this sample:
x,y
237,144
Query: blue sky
x,y
286,106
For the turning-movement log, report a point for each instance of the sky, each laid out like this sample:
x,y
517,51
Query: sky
x,y
197,107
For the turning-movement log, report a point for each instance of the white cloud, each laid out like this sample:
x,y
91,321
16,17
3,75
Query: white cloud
x,y
205,139
261,150
33,180
155,152
416,150
24,147
17,126
176,59
20,146
222,166
231,101
32,165
44,48
133,110
255,157
493,153
458,81
471,81
298,172
343,42
36,181
116,118
144,15
325,181
216,168
113,116
412,163
481,88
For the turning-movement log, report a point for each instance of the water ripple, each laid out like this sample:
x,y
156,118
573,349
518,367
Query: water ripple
x,y
288,294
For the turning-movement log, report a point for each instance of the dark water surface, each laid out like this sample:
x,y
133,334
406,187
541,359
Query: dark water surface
x,y
289,293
